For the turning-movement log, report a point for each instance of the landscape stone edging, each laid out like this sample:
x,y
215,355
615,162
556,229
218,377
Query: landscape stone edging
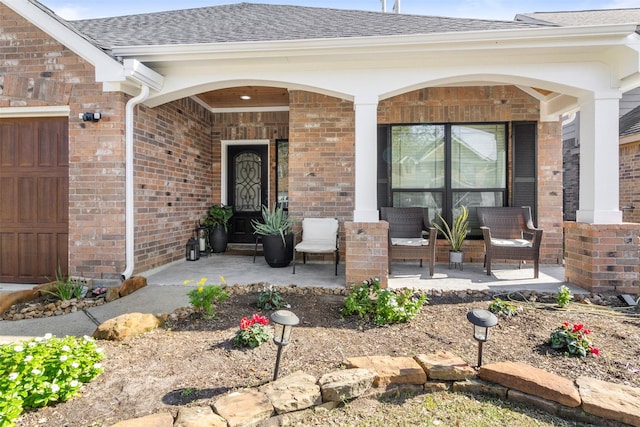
x,y
470,385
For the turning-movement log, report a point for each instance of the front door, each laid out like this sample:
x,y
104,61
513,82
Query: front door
x,y
248,169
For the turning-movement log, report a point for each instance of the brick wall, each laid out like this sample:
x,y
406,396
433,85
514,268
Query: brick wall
x,y
629,178
321,158
603,257
173,178
486,104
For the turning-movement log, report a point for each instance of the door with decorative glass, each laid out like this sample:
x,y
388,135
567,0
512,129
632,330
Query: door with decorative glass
x,y
248,188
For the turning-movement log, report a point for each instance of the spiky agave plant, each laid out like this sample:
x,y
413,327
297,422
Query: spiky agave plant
x,y
274,221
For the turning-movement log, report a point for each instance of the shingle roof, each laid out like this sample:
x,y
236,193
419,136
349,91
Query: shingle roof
x,y
630,122
244,22
583,17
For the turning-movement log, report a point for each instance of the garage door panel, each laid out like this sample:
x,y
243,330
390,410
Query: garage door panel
x,y
27,256
8,198
8,256
7,152
27,201
26,139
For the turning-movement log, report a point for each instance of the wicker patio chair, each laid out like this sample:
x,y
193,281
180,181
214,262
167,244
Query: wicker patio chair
x,y
509,234
320,236
406,238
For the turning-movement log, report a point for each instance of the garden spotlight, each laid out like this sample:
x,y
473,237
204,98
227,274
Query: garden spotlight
x,y
284,321
482,320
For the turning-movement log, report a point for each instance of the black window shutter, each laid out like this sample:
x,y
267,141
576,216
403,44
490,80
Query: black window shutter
x,y
525,166
384,156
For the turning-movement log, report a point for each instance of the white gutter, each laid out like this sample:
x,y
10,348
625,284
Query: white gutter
x,y
129,185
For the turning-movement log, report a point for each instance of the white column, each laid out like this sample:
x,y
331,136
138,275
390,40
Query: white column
x,y
366,191
599,160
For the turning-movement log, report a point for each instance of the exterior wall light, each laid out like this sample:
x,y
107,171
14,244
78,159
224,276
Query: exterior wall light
x,y
482,320
90,117
284,321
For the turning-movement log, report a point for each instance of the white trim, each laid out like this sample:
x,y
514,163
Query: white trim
x,y
224,145
48,111
249,109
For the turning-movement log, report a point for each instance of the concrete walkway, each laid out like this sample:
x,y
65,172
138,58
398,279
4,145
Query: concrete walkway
x,y
167,290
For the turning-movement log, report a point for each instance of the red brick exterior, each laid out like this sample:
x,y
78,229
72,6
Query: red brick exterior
x,y
629,178
602,257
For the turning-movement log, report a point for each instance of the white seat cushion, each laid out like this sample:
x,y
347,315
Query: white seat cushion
x,y
315,247
515,243
403,241
318,235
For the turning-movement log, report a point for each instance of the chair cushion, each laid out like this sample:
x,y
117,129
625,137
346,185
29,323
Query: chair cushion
x,y
316,247
515,243
402,241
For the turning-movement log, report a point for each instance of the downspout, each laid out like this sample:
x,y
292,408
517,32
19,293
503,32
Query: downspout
x,y
129,184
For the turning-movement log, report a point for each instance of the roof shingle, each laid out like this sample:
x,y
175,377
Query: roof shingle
x,y
246,22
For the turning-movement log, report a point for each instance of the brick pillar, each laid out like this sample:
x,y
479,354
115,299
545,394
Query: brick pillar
x,y
603,257
367,252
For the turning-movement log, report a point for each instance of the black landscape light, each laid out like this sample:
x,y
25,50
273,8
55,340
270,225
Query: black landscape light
x,y
284,321
482,320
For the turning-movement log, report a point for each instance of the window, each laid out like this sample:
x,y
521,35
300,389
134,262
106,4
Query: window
x,y
444,166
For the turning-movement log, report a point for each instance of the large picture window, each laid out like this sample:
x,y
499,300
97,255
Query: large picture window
x,y
444,166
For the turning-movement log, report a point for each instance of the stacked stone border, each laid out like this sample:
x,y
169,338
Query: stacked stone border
x,y
289,398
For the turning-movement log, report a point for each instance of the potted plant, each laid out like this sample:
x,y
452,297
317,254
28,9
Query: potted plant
x,y
455,234
217,220
277,239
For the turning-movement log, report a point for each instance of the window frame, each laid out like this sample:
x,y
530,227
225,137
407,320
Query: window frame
x,y
447,192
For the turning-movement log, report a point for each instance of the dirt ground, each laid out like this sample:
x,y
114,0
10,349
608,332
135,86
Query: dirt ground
x,y
192,361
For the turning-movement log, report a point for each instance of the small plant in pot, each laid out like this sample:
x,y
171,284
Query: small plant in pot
x,y
277,239
455,234
217,220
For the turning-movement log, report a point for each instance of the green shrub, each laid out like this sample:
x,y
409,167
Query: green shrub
x,y
385,306
204,297
271,299
564,296
499,306
44,370
65,287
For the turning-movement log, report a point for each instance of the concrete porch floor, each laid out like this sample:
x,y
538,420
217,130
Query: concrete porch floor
x,y
240,269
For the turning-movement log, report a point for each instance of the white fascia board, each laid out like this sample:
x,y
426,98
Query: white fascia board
x,y
548,38
106,68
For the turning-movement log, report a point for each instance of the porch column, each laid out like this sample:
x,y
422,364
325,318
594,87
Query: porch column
x,y
366,253
599,165
366,191
601,252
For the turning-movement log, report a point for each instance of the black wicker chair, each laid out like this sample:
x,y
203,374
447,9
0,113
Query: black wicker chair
x,y
509,234
406,238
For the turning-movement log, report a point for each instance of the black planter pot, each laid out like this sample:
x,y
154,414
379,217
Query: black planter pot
x,y
276,253
218,239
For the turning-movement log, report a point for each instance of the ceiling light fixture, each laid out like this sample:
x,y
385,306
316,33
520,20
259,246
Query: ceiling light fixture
x,y
245,97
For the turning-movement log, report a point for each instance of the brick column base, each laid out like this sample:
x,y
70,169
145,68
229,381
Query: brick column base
x,y
367,252
602,257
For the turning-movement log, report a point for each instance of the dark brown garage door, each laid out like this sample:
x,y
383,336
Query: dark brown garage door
x,y
34,199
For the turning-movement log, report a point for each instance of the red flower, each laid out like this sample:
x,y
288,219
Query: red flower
x,y
245,323
577,327
586,331
595,351
566,324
